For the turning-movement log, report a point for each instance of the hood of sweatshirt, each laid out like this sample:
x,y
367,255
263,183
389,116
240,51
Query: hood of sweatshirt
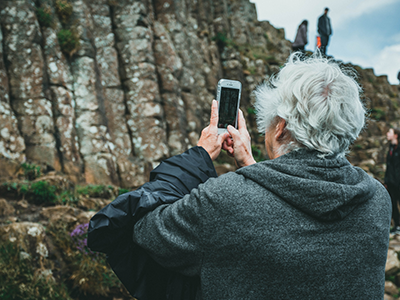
x,y
325,188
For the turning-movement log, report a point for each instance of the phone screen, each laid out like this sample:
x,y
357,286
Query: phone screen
x,y
228,107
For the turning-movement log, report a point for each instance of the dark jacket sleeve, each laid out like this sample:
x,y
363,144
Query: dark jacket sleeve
x,y
110,230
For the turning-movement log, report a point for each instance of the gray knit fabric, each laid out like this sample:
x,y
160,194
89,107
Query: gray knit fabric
x,y
296,227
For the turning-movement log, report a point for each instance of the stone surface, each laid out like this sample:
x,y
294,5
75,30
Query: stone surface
x,y
391,288
392,263
24,60
30,237
139,86
6,209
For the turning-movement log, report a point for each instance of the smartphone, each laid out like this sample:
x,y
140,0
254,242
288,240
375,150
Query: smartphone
x,y
228,97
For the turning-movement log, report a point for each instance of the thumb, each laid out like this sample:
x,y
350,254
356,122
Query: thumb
x,y
222,137
233,132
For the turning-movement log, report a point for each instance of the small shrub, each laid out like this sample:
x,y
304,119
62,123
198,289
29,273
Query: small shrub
x,y
68,198
44,16
223,41
23,188
18,279
96,191
69,41
89,273
123,191
64,10
42,192
31,171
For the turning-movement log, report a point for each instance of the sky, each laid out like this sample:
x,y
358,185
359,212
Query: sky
x,y
365,32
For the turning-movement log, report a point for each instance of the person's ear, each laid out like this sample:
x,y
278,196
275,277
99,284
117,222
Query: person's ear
x,y
280,129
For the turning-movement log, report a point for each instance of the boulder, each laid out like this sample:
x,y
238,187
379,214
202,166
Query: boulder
x,y
392,263
391,288
30,237
6,209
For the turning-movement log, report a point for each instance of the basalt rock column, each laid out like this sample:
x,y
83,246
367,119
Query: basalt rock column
x,y
129,168
12,145
91,122
60,91
133,29
198,55
24,64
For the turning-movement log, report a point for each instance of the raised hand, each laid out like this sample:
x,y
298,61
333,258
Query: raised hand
x,y
209,139
240,144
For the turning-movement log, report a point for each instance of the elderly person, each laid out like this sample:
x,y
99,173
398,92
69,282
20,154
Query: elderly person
x,y
305,224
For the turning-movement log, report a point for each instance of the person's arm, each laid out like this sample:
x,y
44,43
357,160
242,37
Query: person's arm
x,y
175,234
321,26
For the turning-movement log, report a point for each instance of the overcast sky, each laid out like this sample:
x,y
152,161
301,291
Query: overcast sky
x,y
365,32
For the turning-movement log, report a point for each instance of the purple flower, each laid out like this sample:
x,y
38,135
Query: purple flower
x,y
79,238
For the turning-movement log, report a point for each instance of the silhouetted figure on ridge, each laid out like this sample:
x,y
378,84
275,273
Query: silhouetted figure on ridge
x,y
324,30
301,37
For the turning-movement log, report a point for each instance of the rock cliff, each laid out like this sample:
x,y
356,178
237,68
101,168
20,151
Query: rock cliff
x,y
99,92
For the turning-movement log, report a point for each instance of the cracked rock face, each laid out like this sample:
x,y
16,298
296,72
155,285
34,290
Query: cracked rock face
x,y
137,86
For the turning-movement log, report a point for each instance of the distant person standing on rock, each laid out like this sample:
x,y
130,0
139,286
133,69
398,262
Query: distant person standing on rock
x,y
301,37
324,30
392,176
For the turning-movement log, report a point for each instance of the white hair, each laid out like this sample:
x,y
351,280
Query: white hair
x,y
319,101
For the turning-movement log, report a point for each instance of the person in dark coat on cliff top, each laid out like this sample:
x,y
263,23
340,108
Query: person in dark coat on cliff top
x,y
301,37
305,224
324,30
392,175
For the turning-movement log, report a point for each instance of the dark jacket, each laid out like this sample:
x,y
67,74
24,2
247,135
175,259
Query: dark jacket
x,y
324,25
110,230
296,227
392,175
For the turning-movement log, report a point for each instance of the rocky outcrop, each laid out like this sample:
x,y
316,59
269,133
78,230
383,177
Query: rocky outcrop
x,y
101,91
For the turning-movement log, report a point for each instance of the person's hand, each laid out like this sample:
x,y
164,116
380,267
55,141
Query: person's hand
x,y
209,139
240,145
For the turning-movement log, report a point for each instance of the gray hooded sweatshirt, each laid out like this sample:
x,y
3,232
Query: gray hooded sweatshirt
x,y
296,227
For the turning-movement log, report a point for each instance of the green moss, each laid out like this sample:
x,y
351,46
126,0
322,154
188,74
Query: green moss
x,y
31,171
123,191
69,41
223,41
42,192
18,279
96,191
44,16
68,198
